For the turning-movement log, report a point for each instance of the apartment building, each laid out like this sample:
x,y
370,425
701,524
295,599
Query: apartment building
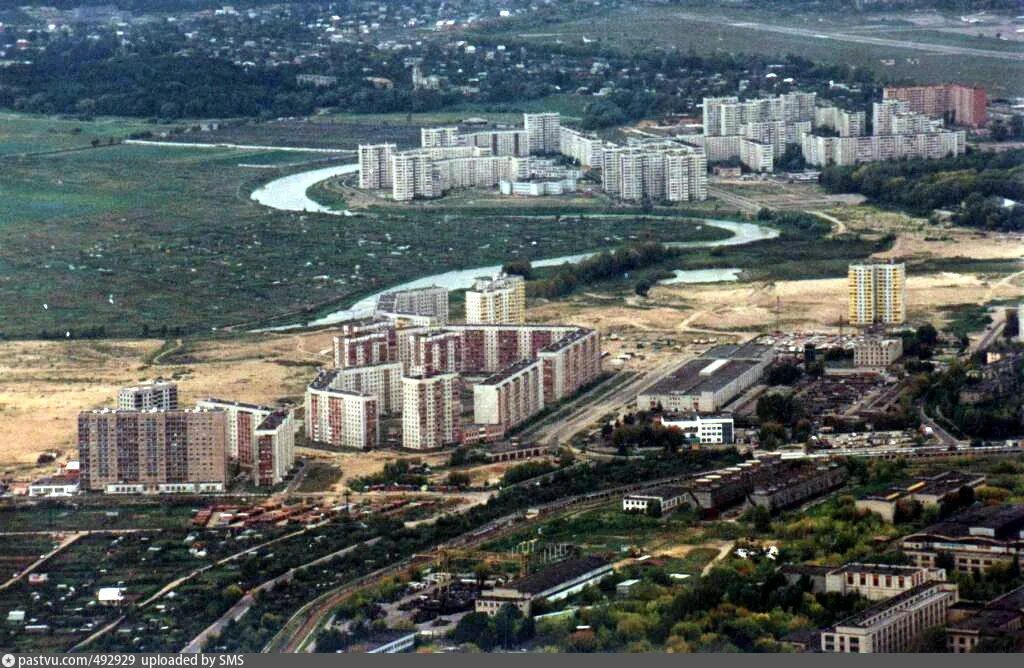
x,y
134,452
439,137
706,430
543,131
483,171
375,166
490,348
875,352
340,417
725,116
158,394
974,539
822,151
413,176
431,411
757,156
382,380
499,142
429,301
242,420
570,363
436,351
581,147
274,448
956,104
844,123
500,299
877,293
511,396
365,347
892,624
663,172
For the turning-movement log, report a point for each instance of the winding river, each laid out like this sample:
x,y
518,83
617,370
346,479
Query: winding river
x,y
289,194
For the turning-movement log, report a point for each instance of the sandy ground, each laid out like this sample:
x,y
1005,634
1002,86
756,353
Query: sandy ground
x,y
44,385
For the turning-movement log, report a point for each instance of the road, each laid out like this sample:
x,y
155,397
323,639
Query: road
x,y
67,540
239,609
825,35
744,204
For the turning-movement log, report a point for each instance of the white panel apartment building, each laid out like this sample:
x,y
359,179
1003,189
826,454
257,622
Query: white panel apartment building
x,y
340,417
413,176
543,132
439,137
159,394
674,173
499,142
375,166
584,149
431,411
511,396
497,300
383,381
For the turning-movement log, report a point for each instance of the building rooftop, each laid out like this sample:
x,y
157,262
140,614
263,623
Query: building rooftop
x,y
273,421
58,479
567,340
324,379
865,616
508,372
1004,522
237,404
701,375
746,351
556,574
663,492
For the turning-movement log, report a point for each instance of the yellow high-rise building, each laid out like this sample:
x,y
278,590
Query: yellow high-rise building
x,y
877,293
500,300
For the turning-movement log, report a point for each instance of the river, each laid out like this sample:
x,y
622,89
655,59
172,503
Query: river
x,y
289,194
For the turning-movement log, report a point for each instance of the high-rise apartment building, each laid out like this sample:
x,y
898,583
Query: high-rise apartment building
x,y
364,348
954,103
430,301
383,381
499,142
584,149
159,394
511,396
431,411
438,137
133,452
242,420
497,300
375,166
340,417
570,363
274,448
877,293
543,132
844,123
436,351
413,176
663,172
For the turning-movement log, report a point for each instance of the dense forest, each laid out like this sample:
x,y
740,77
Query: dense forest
x,y
973,186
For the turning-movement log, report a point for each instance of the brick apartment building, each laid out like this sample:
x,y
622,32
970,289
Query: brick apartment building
x,y
497,300
957,104
153,451
275,448
341,417
242,420
511,396
570,363
431,411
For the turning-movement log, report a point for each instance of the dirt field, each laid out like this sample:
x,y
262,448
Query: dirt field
x,y
43,385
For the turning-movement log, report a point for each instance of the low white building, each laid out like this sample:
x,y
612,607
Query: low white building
x,y
667,498
713,430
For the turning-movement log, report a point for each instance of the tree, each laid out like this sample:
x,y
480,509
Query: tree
x,y
518,268
458,479
642,288
654,508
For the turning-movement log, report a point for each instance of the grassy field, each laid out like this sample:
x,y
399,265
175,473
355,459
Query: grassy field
x,y
135,238
635,29
21,133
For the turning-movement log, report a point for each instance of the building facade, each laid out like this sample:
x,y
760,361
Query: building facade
x,y
340,417
499,300
877,293
242,420
153,451
511,396
375,166
543,132
570,363
274,448
431,411
957,104
161,395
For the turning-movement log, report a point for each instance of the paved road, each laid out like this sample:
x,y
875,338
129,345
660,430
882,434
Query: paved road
x,y
67,540
825,35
